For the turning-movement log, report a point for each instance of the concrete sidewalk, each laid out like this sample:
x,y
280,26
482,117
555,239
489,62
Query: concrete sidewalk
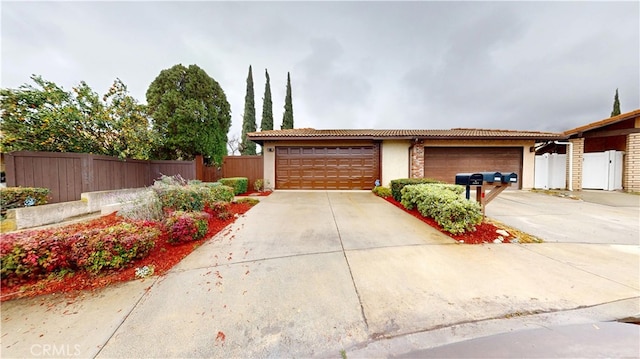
x,y
313,273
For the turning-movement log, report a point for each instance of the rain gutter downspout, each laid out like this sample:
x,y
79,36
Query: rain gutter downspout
x,y
570,161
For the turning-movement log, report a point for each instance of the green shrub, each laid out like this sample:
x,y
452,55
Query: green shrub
x,y
444,204
239,184
398,184
258,185
219,193
382,191
221,209
180,198
187,226
178,195
16,197
37,253
112,247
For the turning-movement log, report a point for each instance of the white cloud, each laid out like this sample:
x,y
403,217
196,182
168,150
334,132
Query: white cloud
x,y
533,65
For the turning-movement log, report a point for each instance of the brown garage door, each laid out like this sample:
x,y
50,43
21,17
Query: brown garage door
x,y
442,163
354,167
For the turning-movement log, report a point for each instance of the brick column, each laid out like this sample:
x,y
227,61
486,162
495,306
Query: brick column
x,y
417,160
631,169
578,150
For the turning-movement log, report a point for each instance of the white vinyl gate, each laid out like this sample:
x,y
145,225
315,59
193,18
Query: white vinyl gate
x,y
602,170
550,171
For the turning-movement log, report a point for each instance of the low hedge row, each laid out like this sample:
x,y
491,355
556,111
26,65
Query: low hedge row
x,y
443,203
16,197
381,191
33,254
191,197
398,184
240,185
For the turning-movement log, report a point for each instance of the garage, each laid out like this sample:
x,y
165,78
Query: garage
x,y
442,163
349,167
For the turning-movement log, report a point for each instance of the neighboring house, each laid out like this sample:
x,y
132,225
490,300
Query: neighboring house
x,y
603,154
306,158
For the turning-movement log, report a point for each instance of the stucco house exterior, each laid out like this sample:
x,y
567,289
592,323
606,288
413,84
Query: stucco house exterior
x,y
307,158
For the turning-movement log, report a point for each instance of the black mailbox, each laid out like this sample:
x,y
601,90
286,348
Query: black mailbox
x,y
509,178
491,177
469,179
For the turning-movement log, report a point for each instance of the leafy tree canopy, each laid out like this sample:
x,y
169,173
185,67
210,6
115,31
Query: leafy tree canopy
x,y
44,117
190,112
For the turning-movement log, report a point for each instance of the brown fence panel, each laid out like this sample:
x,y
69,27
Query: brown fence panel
x,y
114,173
211,173
60,172
68,175
251,167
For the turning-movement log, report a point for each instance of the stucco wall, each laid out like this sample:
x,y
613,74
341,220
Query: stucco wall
x,y
528,160
269,153
395,160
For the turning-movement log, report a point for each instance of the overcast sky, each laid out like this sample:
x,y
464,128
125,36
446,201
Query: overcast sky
x,y
547,66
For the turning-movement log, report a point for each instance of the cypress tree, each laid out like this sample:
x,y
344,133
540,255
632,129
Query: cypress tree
x,y
249,119
287,117
616,105
267,106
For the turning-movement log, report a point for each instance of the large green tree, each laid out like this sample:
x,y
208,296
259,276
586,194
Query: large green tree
x,y
248,147
190,112
45,117
287,117
267,106
616,105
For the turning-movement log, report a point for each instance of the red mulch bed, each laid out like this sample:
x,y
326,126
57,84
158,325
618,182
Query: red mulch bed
x,y
485,232
163,257
254,194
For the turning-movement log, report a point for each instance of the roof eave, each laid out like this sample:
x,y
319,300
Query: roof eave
x,y
602,123
261,139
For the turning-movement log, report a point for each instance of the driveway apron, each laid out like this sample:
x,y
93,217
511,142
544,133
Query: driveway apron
x,y
312,273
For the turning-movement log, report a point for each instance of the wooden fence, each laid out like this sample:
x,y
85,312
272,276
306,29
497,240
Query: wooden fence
x,y
68,175
251,167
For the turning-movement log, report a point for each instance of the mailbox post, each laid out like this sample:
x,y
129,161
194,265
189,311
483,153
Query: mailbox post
x,y
497,181
468,180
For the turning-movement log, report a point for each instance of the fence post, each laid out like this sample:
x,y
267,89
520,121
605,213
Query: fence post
x,y
199,167
10,169
86,161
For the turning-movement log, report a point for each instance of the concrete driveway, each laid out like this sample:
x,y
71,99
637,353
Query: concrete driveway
x,y
597,217
313,273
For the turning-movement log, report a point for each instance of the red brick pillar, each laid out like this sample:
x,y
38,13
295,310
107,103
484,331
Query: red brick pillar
x,y
631,169
417,160
576,169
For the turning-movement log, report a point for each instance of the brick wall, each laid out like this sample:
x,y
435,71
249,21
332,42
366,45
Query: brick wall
x,y
417,160
631,174
578,150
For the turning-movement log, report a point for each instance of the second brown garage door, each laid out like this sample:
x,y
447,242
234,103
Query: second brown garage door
x,y
442,163
354,167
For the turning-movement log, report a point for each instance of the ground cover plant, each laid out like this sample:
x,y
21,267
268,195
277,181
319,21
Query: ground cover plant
x,y
118,247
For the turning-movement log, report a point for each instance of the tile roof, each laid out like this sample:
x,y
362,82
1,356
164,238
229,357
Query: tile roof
x,y
456,133
602,123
